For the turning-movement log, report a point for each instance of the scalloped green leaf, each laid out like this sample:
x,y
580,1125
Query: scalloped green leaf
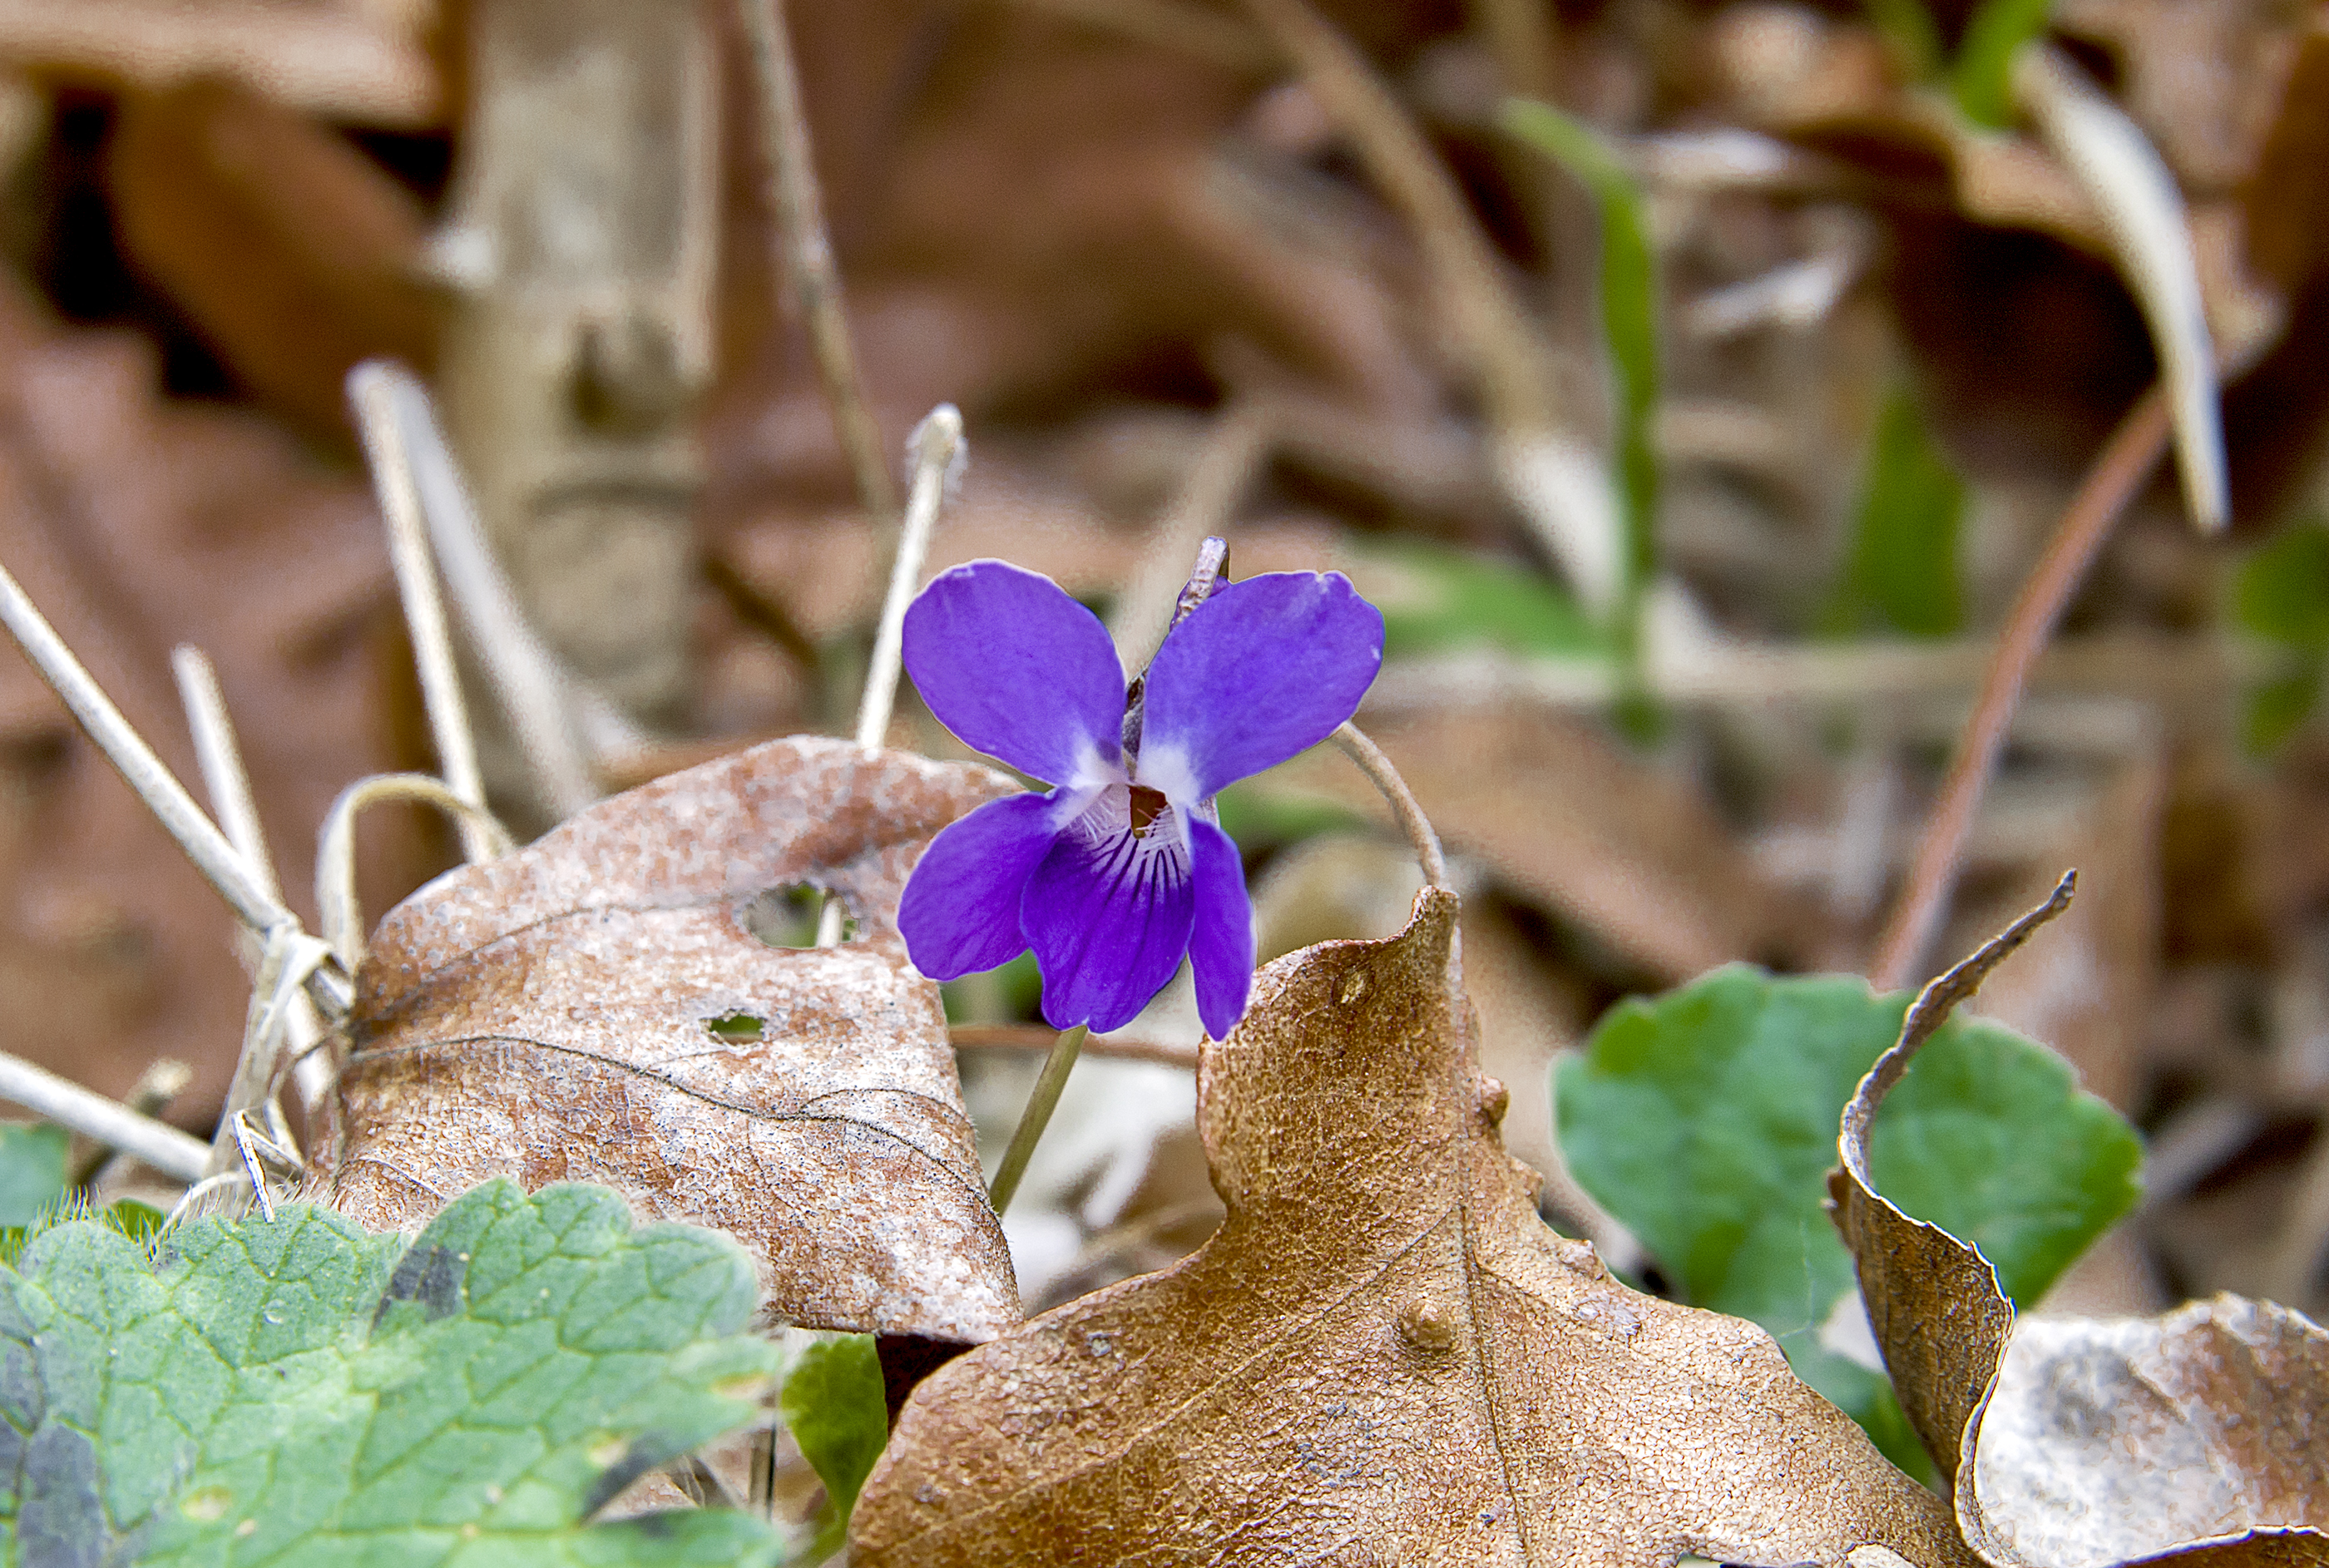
x,y
296,1391
1705,1119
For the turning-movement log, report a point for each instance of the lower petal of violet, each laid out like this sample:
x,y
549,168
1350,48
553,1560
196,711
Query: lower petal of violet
x,y
960,910
1109,913
1221,939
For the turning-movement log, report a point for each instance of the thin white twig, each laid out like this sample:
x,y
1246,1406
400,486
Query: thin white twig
x,y
372,394
153,783
228,783
175,1154
936,450
936,453
335,850
1411,820
284,965
557,721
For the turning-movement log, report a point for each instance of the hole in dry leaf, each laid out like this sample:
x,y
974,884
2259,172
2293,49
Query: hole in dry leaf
x,y
741,1027
787,917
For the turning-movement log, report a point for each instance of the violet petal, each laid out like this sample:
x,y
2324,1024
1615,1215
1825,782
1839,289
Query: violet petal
x,y
1017,670
1108,912
1221,940
959,914
1262,670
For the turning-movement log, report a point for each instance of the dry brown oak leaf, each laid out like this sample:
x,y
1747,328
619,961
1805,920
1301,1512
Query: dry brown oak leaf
x,y
1383,1356
550,1016
2198,1438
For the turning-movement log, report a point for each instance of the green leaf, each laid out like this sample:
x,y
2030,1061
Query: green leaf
x,y
1629,317
296,1391
1982,76
1902,573
1435,599
1706,1119
31,1170
2277,709
834,1407
2281,593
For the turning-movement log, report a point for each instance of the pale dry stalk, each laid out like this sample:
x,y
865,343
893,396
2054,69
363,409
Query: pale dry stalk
x,y
93,1115
372,394
245,892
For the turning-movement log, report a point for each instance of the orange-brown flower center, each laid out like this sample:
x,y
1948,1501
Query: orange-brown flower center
x,y
1148,806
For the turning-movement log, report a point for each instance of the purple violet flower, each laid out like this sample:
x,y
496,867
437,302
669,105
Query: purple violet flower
x,y
1121,868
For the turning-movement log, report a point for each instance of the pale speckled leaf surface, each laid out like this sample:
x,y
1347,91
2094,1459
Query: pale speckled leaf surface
x,y
295,1391
548,1016
1382,1355
2201,1438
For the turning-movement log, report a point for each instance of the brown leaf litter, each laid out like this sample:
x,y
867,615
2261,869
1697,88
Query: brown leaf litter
x,y
1383,1355
2199,1436
597,1007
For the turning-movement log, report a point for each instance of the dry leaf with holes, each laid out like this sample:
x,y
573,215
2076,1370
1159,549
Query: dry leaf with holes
x,y
2199,1436
1383,1356
598,1007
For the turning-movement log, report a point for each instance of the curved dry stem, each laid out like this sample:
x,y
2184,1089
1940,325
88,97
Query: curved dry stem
x,y
335,850
289,958
1411,820
2126,461
373,394
175,1154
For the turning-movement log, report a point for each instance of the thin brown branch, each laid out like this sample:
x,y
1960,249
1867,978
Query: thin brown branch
x,y
799,210
1035,1038
2126,461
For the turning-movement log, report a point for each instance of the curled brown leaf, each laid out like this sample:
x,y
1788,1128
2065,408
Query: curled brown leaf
x,y
1383,1355
598,1008
2199,1437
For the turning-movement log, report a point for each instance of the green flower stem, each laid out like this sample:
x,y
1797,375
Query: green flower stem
x,y
1036,1116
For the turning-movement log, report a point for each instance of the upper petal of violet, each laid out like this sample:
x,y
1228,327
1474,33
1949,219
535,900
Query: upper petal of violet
x,y
1018,670
959,914
1262,670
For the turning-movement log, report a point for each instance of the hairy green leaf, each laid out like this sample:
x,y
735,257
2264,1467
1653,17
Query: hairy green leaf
x,y
32,1170
1902,572
295,1391
1706,1121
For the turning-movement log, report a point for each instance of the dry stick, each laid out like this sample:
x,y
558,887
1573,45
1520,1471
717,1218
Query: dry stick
x,y
153,783
808,253
1411,820
372,392
220,757
335,854
175,1154
937,448
1036,1117
2126,460
164,1079
547,710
